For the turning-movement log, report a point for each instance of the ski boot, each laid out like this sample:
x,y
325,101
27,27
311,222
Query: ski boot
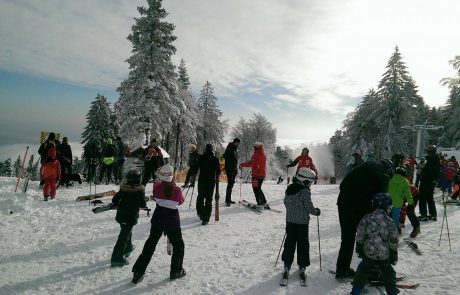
x,y
120,263
137,277
177,274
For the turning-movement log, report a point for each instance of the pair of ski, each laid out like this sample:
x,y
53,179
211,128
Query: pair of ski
x,y
254,207
285,278
413,246
377,283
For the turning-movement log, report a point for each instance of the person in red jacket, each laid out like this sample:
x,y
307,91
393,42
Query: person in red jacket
x,y
258,164
304,160
51,174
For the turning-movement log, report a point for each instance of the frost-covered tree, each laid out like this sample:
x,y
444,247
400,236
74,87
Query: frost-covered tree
x,y
17,166
6,168
78,165
35,172
451,111
99,125
184,80
211,128
148,97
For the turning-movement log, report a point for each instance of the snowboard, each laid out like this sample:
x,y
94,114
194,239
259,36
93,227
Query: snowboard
x,y
110,193
28,172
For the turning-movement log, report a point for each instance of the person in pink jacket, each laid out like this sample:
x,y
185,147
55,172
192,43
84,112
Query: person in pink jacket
x,y
258,164
51,174
165,219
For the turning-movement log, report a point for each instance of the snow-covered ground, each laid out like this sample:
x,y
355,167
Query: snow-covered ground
x,y
61,247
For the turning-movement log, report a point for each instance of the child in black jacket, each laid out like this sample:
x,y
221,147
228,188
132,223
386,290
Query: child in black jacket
x,y
129,200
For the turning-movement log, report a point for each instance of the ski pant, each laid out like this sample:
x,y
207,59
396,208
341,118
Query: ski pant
x,y
119,169
50,187
348,225
66,171
395,214
123,244
387,272
149,173
410,212
106,169
417,180
204,200
231,175
258,193
446,185
296,236
174,236
91,173
426,199
191,176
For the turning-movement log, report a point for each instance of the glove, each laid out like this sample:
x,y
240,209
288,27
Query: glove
x,y
318,212
393,257
360,250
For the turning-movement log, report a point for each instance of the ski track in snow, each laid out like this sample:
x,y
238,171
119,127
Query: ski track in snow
x,y
61,247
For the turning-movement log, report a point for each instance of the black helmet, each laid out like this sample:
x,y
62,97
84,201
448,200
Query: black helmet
x,y
431,149
389,167
133,176
401,170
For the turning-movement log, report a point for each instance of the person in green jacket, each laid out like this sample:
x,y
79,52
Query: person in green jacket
x,y
399,189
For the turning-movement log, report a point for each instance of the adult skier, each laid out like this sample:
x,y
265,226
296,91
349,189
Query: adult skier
x,y
65,159
304,160
129,200
193,157
153,160
108,158
231,168
258,164
354,201
298,210
428,180
91,153
209,167
165,219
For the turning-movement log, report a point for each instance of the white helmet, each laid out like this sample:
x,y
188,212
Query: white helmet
x,y
305,174
166,173
258,144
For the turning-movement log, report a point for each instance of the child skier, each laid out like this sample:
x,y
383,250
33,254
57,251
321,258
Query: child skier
x,y
377,245
298,209
129,200
51,174
166,220
399,190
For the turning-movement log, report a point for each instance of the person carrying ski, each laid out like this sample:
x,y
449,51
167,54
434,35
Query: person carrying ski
x,y
258,164
428,181
153,160
108,158
231,168
209,167
129,199
51,174
298,210
377,245
165,219
193,167
353,202
399,190
304,160
65,159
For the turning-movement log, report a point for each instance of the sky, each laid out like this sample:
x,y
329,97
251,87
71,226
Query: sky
x,y
303,64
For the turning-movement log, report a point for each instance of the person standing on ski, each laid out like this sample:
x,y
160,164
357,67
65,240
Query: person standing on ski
x,y
353,202
231,168
209,167
258,164
298,210
153,160
377,245
399,190
65,159
165,219
51,174
428,179
129,199
304,160
193,158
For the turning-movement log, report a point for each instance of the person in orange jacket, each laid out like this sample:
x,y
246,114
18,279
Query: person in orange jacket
x,y
258,164
304,160
51,174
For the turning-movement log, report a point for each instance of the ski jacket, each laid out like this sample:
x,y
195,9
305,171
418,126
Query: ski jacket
x,y
209,168
44,148
129,200
377,235
304,161
430,172
360,185
193,158
298,204
122,150
65,153
449,173
231,157
51,170
257,163
173,202
153,158
419,167
109,151
399,190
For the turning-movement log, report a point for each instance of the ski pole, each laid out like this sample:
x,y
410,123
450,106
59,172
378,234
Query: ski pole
x,y
319,246
279,252
447,224
22,168
241,181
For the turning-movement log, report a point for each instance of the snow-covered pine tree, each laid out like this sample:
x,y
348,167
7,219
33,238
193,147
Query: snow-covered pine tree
x,y
17,166
98,121
184,80
35,173
7,169
148,97
451,110
211,128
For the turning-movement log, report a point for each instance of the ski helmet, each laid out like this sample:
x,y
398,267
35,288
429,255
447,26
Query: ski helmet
x,y
401,171
258,144
306,174
382,201
431,149
389,167
166,173
305,150
133,176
